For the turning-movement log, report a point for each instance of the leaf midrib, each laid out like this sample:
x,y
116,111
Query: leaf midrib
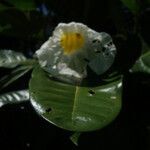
x,y
74,102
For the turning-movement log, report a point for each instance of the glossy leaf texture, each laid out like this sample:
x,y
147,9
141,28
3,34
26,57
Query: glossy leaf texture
x,y
14,97
142,64
72,107
10,59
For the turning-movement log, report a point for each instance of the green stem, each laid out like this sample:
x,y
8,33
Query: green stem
x,y
29,62
75,137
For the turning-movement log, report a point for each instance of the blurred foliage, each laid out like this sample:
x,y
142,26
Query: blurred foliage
x,y
132,5
142,64
20,19
25,5
36,19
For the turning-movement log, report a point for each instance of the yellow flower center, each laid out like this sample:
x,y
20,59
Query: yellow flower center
x,y
71,42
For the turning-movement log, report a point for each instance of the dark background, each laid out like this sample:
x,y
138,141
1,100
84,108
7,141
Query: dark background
x,y
24,30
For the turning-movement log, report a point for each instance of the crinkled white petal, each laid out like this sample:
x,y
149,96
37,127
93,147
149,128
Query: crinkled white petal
x,y
103,60
72,68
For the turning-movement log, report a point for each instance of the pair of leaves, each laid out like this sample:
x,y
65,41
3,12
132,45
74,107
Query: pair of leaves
x,y
11,59
70,107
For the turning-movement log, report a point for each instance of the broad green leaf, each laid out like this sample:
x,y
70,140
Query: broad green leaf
x,y
10,59
142,64
14,75
14,97
74,108
25,5
132,5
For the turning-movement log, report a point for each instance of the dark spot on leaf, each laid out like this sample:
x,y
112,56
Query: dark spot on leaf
x,y
103,49
48,110
87,60
91,92
106,54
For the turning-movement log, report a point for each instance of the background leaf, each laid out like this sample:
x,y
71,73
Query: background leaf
x,y
142,64
72,107
2,7
14,97
132,5
14,75
6,27
10,59
24,5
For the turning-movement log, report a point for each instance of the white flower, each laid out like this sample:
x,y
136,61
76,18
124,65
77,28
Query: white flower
x,y
73,46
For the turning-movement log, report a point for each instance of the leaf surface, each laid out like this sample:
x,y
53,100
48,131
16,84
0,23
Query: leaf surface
x,y
10,59
74,108
14,97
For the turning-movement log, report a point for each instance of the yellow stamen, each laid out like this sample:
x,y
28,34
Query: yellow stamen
x,y
71,42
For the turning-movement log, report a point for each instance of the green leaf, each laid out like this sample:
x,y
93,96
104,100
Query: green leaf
x,y
132,5
13,76
142,64
74,108
14,97
25,5
75,137
10,59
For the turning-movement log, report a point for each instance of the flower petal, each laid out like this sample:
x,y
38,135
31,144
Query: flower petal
x,y
71,48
